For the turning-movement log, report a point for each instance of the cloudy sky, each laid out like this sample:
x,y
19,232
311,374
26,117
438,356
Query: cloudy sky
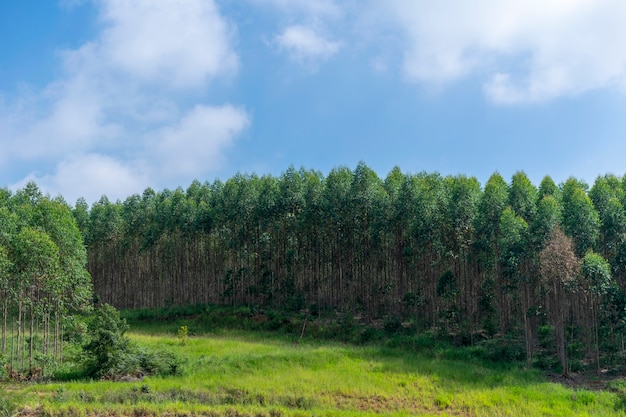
x,y
112,96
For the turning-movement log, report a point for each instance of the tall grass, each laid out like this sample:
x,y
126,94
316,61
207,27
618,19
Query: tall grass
x,y
258,374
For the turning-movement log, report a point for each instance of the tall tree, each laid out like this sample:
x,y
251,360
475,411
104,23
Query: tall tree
x,y
559,268
596,282
515,269
492,203
580,219
523,197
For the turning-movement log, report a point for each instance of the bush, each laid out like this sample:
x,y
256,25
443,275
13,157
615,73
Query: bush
x,y
110,354
108,351
159,363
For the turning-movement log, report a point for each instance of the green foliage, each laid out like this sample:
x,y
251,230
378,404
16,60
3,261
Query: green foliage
x,y
580,219
183,334
596,273
43,280
158,362
306,244
108,352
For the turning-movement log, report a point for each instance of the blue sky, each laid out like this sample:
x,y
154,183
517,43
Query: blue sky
x,y
111,96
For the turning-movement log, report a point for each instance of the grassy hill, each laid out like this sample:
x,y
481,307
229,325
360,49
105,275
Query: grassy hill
x,y
239,373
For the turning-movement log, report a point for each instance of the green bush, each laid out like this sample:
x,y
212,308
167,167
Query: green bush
x,y
159,363
108,352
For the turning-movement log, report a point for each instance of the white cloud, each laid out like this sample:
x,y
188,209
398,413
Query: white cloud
x,y
91,176
528,50
305,37
305,44
310,8
148,70
195,144
170,42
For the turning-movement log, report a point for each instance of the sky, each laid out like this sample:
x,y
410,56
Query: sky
x,y
109,97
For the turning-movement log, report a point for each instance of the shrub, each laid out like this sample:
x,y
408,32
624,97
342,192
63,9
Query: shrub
x,y
109,353
159,363
108,350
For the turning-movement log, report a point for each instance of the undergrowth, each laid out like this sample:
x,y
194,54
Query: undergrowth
x,y
247,370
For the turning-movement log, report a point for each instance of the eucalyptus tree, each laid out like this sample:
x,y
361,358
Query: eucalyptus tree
x,y
603,189
523,197
607,196
71,291
81,214
548,217
270,232
37,268
580,219
427,197
310,224
9,223
491,206
337,211
369,201
460,211
559,268
519,262
400,247
289,202
548,187
514,252
43,279
595,283
235,208
103,238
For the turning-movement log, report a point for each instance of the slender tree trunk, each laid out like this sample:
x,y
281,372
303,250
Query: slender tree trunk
x,y
19,333
5,311
31,340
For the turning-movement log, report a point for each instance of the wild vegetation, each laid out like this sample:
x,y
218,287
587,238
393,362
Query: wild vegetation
x,y
507,260
403,269
242,373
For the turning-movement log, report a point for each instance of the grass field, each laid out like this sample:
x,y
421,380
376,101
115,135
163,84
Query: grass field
x,y
261,374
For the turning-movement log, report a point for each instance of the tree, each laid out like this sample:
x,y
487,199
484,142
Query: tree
x,y
523,197
492,203
580,219
559,268
548,187
596,282
463,196
43,279
515,268
38,267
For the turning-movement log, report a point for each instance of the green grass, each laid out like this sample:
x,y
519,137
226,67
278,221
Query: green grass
x,y
260,374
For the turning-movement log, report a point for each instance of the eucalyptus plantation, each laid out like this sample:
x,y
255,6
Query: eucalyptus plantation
x,y
43,279
413,252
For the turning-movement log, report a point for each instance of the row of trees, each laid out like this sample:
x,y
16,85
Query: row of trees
x,y
441,252
43,278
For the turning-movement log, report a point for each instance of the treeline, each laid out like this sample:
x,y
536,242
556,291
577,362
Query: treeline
x,y
438,252
43,280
